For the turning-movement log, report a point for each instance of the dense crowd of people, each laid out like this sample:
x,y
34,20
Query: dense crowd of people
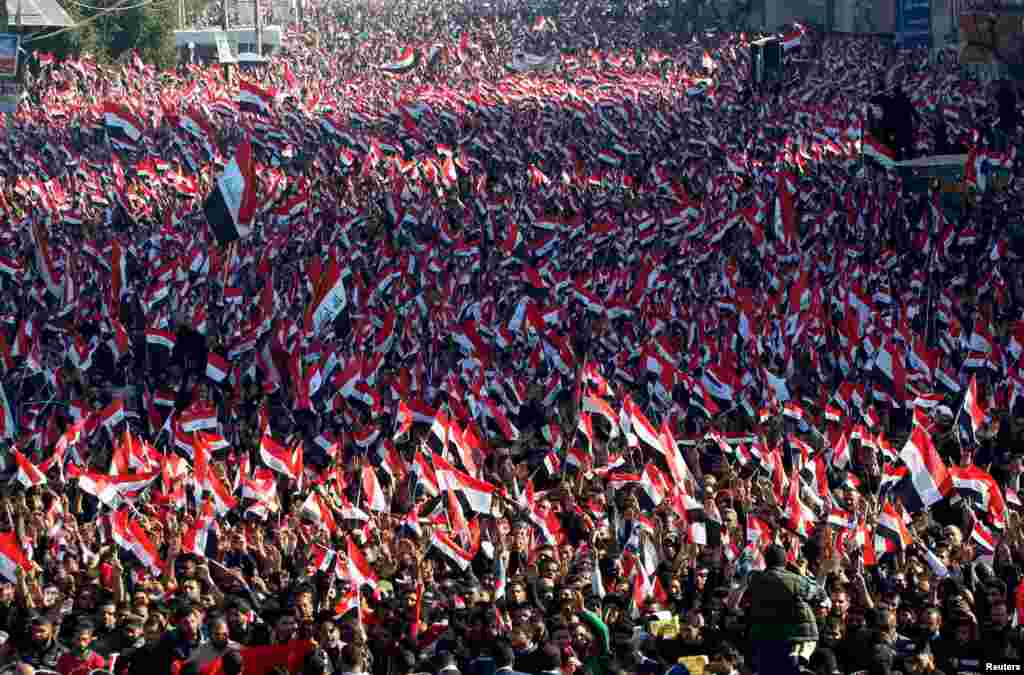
x,y
542,344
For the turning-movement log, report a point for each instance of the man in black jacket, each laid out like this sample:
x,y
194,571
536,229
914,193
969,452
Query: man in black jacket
x,y
1006,108
153,632
178,645
905,118
43,650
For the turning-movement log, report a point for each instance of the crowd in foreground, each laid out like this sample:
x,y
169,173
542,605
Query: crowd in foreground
x,y
549,347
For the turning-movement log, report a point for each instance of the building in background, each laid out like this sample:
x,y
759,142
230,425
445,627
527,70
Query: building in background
x,y
201,45
30,16
852,16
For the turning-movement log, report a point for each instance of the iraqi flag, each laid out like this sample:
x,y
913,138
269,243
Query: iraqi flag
x,y
971,417
118,275
231,206
129,535
28,474
451,551
45,263
288,657
800,518
197,537
360,572
878,151
406,62
280,459
893,526
928,475
348,603
112,415
329,299
217,367
253,99
8,427
121,123
12,556
479,494
317,509
984,538
193,122
375,497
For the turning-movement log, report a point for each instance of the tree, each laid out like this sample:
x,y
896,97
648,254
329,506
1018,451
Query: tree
x,y
109,33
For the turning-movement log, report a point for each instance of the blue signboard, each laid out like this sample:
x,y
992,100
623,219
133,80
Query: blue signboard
x,y
913,24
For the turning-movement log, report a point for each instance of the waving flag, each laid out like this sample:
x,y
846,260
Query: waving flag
x,y
280,459
984,538
360,572
458,556
28,475
970,417
253,99
12,556
129,535
347,603
329,299
406,62
373,493
217,367
231,206
893,526
983,491
800,518
199,416
44,259
316,508
878,151
289,657
8,427
478,493
926,470
122,123
197,536
118,275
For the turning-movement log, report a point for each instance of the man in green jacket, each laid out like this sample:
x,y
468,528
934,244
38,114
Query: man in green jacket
x,y
598,661
781,619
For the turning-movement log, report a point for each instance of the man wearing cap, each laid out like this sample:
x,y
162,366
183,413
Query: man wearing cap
x,y
781,617
43,650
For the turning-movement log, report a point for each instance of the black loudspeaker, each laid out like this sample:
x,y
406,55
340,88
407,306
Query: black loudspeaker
x,y
766,61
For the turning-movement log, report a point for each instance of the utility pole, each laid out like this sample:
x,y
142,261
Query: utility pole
x,y
224,24
259,28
